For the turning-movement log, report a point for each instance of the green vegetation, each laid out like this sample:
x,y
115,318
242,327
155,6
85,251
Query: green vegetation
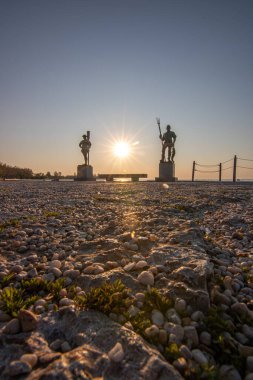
x,y
155,300
109,298
13,299
9,223
6,280
48,214
171,352
224,345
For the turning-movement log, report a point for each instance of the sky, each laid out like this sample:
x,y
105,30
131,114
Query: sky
x,y
112,67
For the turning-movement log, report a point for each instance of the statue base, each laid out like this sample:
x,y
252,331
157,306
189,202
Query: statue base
x,y
166,172
84,173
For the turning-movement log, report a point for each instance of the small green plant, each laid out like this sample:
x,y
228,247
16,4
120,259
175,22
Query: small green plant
x,y
51,288
48,214
6,280
34,285
108,298
155,300
171,352
14,299
215,323
9,223
140,323
54,288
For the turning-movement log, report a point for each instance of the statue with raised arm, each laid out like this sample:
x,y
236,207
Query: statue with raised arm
x,y
168,142
85,145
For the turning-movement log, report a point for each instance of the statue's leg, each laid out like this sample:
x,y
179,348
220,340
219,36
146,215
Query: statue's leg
x,y
169,153
163,153
173,154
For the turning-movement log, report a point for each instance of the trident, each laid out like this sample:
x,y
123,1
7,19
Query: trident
x,y
159,126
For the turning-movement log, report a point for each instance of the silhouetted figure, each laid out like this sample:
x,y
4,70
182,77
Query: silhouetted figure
x,y
85,145
168,141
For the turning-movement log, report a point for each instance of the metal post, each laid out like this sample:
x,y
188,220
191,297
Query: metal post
x,y
193,171
234,169
220,168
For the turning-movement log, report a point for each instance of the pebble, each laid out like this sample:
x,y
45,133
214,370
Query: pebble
x,y
141,264
199,357
180,364
28,320
65,346
116,354
185,352
152,331
180,305
129,267
157,317
191,334
31,359
197,316
12,327
4,317
249,363
228,372
205,338
146,278
173,316
56,344
17,368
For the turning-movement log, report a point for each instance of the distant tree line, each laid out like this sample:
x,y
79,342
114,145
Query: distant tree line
x,y
13,172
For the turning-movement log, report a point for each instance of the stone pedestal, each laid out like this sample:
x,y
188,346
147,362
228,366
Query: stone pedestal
x,y
84,173
166,172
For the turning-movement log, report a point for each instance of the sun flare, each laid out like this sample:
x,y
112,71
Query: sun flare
x,y
121,149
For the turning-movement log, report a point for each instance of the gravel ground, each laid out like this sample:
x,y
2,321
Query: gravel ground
x,y
191,242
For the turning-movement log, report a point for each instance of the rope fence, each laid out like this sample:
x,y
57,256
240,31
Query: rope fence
x,y
220,167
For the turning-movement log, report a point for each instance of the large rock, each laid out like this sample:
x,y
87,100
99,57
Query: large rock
x,y
100,336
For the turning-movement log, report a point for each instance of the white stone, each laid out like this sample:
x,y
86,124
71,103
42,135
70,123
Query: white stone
x,y
129,266
146,278
141,264
157,317
116,354
180,305
55,263
199,357
152,331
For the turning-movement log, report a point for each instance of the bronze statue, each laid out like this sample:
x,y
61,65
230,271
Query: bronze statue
x,y
85,145
168,141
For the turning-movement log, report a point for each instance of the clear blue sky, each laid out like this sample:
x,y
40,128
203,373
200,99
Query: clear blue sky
x,y
112,66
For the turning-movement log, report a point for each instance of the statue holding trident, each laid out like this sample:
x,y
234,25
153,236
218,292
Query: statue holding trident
x,y
168,140
85,145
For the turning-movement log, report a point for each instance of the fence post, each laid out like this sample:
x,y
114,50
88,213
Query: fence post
x,y
193,171
220,168
234,169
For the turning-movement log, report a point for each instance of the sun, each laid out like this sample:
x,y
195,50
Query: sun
x,y
121,149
